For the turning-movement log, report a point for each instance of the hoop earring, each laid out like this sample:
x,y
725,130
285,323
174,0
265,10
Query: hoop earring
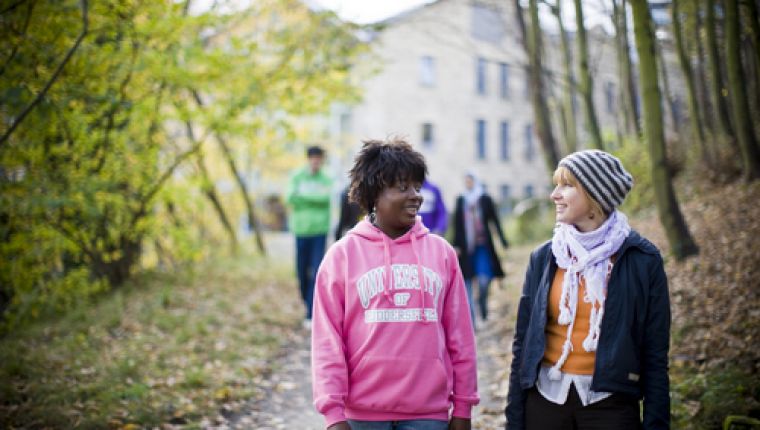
x,y
372,216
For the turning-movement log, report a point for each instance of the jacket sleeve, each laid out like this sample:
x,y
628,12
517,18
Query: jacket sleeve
x,y
655,381
459,240
343,223
515,410
291,193
441,217
494,219
298,199
460,342
328,358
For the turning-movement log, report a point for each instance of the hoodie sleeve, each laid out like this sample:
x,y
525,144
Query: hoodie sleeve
x,y
460,342
328,358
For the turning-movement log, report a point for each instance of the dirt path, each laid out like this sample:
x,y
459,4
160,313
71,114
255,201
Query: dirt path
x,y
287,404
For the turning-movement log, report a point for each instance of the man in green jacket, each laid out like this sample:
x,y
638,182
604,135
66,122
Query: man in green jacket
x,y
308,196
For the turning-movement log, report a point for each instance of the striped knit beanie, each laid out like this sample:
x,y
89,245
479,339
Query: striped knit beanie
x,y
602,175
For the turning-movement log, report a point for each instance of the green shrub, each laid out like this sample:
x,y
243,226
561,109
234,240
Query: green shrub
x,y
531,221
703,400
635,157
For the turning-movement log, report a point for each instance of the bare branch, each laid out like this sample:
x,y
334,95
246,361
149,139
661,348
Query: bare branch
x,y
53,78
12,6
24,28
160,183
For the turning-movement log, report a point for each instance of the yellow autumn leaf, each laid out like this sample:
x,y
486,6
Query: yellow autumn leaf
x,y
223,393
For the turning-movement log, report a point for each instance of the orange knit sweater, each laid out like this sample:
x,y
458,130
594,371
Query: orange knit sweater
x,y
579,361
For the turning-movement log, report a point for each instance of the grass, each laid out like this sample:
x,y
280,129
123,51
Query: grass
x,y
164,348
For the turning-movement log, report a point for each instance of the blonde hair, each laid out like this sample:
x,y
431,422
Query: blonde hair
x,y
563,176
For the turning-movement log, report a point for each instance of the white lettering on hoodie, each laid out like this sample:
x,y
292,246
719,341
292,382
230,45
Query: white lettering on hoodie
x,y
370,285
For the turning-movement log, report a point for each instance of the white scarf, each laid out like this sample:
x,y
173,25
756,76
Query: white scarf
x,y
472,210
587,255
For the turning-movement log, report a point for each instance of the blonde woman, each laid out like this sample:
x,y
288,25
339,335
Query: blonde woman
x,y
593,324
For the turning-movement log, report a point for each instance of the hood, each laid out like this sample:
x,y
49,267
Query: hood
x,y
366,230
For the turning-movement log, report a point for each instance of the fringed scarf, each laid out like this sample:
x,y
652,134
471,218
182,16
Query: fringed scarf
x,y
585,255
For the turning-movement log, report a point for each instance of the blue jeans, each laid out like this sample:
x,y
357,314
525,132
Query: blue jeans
x,y
484,283
399,425
309,253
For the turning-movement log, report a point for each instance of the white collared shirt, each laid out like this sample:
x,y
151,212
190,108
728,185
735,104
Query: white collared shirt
x,y
557,391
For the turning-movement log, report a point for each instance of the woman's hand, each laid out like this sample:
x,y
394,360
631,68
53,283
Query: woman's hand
x,y
340,426
459,424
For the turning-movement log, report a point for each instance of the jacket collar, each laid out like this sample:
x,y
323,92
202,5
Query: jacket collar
x,y
634,240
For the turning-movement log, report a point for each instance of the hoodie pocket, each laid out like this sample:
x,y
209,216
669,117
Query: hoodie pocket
x,y
400,385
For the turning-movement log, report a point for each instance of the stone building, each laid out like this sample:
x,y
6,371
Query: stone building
x,y
451,78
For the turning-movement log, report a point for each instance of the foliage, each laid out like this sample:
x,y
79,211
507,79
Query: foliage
x,y
532,221
168,349
714,300
98,172
704,400
634,156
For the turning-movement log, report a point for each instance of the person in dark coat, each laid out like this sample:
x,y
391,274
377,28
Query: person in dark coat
x,y
593,323
474,218
350,214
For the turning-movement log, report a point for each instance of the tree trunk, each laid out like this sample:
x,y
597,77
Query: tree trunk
x,y
739,103
568,111
666,93
207,187
717,87
691,90
681,242
754,29
586,85
532,44
625,69
253,222
701,75
117,270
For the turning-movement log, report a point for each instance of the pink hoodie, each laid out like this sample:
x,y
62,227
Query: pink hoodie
x,y
383,348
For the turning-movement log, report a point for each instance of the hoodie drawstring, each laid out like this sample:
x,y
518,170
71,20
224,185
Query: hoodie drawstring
x,y
420,279
388,275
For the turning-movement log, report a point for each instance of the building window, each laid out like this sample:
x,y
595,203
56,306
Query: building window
x,y
528,192
609,96
504,140
487,24
427,134
480,76
504,80
529,147
480,139
427,71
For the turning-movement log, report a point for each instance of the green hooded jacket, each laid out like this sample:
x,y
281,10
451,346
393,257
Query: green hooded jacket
x,y
308,196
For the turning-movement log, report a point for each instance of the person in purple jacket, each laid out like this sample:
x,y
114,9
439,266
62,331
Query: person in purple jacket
x,y
433,211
